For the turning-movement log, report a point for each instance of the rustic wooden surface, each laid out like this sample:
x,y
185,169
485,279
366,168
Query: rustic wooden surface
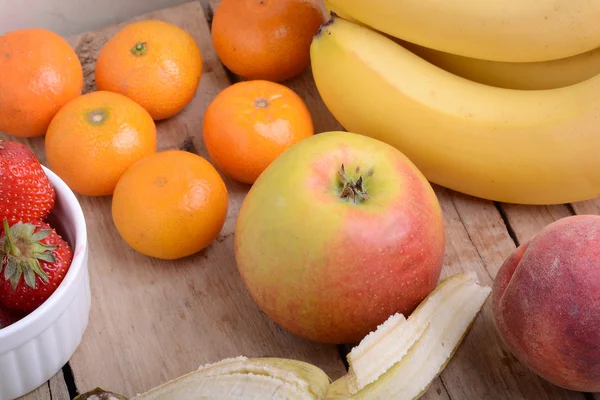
x,y
154,320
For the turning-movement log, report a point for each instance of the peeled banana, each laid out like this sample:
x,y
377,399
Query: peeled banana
x,y
514,75
528,147
497,30
446,315
386,346
391,341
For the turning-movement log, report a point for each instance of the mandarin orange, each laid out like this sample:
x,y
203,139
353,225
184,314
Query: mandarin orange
x,y
170,205
94,138
266,39
154,63
39,73
249,124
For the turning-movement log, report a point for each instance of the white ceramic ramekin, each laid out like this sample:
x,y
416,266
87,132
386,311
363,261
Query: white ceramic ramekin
x,y
36,348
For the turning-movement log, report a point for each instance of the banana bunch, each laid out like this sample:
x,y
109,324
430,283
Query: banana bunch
x,y
532,75
515,75
399,360
514,146
496,30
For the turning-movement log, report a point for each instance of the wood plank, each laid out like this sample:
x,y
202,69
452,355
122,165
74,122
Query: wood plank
x,y
58,387
483,368
41,393
160,319
527,221
587,207
55,389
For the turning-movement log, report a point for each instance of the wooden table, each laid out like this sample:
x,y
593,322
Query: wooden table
x,y
152,320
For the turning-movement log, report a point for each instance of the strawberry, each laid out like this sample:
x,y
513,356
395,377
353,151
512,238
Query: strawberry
x,y
26,193
35,260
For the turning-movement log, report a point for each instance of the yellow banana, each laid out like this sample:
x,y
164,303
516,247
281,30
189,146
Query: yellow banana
x,y
498,30
329,9
530,147
512,75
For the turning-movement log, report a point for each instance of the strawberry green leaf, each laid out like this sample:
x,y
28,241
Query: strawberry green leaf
x,y
16,277
29,278
46,256
41,234
9,246
11,268
23,231
34,266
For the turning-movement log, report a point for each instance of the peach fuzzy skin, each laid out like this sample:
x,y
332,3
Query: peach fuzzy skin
x,y
329,270
546,301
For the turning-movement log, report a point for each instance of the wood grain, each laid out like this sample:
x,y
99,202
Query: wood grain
x,y
55,389
527,221
587,207
58,387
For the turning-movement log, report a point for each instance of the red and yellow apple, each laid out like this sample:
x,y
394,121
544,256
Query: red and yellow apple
x,y
546,303
337,234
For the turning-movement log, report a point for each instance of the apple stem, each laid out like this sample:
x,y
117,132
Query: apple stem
x,y
352,190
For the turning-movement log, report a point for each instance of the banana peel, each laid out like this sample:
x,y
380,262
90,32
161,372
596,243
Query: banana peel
x,y
238,378
246,378
99,394
440,322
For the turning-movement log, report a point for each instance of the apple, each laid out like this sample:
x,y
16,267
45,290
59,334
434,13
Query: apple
x,y
337,234
546,303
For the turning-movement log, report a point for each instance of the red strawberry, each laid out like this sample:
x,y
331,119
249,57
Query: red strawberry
x,y
35,260
7,318
26,193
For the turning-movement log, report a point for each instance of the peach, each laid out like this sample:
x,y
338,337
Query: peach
x,y
546,303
